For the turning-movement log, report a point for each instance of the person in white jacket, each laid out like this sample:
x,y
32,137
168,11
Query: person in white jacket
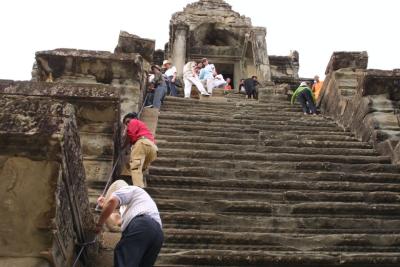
x,y
190,78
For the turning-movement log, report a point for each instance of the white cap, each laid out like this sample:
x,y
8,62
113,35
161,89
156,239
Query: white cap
x,y
303,84
118,184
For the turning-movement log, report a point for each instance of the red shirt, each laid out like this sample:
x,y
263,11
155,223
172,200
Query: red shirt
x,y
137,129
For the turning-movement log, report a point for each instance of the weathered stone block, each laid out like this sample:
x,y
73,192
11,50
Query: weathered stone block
x,y
377,82
124,71
97,113
45,207
284,67
130,43
340,60
365,101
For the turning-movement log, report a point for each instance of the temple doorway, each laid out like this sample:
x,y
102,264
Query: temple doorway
x,y
227,70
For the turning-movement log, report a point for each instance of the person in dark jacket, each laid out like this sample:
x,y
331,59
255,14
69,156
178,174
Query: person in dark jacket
x,y
250,86
305,96
160,87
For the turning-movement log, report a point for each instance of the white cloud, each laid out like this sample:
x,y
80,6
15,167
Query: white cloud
x,y
314,28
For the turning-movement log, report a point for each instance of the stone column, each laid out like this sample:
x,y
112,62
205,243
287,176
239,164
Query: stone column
x,y
179,48
261,59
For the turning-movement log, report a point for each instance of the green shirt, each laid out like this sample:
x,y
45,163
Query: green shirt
x,y
299,90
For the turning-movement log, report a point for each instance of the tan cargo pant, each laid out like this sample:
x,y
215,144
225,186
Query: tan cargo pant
x,y
142,154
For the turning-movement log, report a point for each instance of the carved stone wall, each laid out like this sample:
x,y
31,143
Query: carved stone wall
x,y
124,71
44,208
97,112
365,101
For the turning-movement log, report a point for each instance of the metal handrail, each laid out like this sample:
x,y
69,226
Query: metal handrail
x,y
83,246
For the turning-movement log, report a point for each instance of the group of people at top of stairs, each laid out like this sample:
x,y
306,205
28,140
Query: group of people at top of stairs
x,y
203,75
307,96
131,207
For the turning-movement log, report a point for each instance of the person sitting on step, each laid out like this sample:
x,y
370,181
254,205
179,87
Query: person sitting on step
x,y
190,78
305,96
143,150
160,87
228,86
171,77
210,77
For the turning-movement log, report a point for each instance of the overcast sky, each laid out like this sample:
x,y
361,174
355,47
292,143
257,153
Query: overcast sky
x,y
315,28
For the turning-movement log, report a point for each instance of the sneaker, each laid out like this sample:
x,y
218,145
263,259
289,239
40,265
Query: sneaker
x,y
187,97
205,94
149,106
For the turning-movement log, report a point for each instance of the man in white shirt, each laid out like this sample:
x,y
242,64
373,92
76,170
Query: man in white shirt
x,y
171,75
141,226
190,77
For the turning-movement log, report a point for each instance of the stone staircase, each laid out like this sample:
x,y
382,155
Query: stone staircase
x,y
247,183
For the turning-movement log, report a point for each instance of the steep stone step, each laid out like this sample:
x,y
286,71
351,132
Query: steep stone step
x,y
186,132
242,112
301,209
271,224
241,118
257,182
242,129
310,242
234,139
249,124
204,146
236,111
285,259
273,135
244,159
307,138
245,173
169,102
292,196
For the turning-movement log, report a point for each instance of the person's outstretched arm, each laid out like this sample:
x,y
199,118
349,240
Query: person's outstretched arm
x,y
107,209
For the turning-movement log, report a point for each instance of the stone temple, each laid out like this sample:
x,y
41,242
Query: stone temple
x,y
239,50
238,182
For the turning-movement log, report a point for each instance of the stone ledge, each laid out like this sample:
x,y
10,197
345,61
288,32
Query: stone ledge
x,y
59,90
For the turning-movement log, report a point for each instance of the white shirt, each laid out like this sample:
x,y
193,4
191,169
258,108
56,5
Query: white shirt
x,y
170,72
134,201
188,69
207,72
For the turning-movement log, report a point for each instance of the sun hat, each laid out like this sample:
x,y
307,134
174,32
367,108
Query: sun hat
x,y
118,184
165,62
303,84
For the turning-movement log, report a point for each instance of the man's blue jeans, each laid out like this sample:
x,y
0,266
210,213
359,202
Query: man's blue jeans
x,y
140,243
159,94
